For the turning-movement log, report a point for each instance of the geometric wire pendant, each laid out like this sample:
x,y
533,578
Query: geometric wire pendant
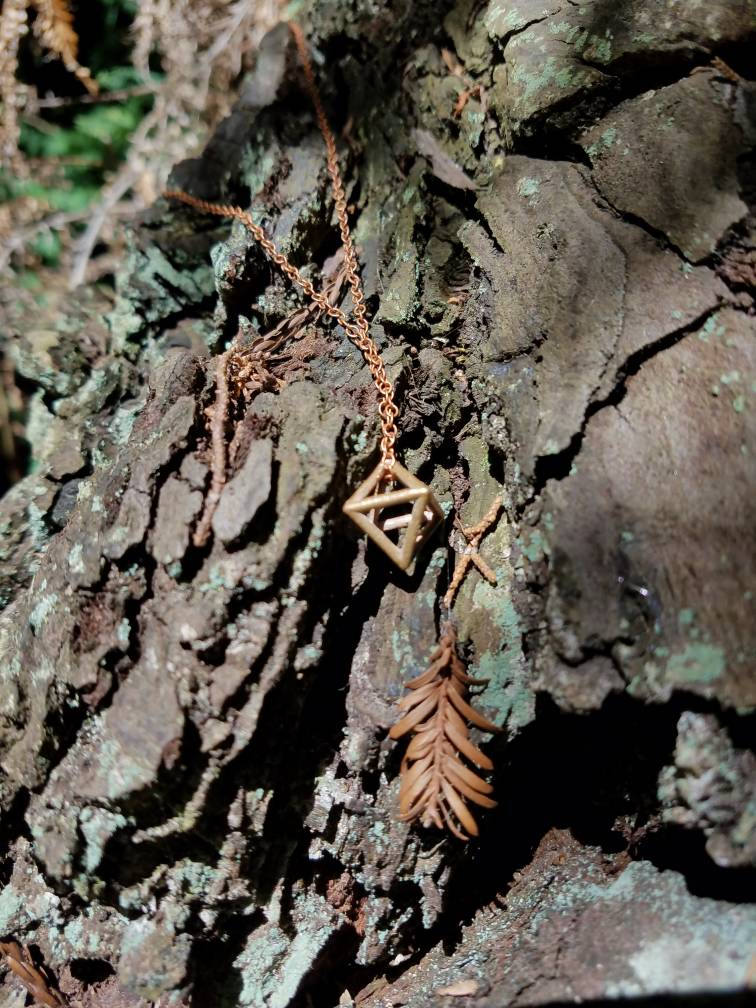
x,y
411,511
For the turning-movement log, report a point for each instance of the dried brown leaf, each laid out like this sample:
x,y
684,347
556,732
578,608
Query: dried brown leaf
x,y
465,746
470,713
20,963
454,766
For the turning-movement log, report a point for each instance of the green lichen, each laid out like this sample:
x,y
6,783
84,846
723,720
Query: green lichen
x,y
404,656
711,328
216,581
97,826
359,440
37,521
171,286
75,562
603,144
501,19
122,770
529,187
272,964
533,545
11,907
507,692
42,610
123,633
698,663
304,559
122,424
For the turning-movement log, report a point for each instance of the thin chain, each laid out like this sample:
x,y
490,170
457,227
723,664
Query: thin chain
x,y
357,331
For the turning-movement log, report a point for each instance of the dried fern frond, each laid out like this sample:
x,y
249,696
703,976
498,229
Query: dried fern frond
x,y
34,981
436,783
54,28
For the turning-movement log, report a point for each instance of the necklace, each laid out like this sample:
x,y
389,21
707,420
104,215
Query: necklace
x,y
393,507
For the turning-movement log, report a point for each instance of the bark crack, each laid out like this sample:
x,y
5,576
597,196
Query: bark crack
x,y
558,466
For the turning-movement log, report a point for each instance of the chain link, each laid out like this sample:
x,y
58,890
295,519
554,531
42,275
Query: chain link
x,y
358,331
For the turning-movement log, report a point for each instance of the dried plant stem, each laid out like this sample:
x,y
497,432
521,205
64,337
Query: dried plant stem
x,y
84,245
218,413
12,29
99,98
186,820
473,535
53,222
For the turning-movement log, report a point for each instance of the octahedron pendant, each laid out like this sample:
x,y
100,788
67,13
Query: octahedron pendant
x,y
411,512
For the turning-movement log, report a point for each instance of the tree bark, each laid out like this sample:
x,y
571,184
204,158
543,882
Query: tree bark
x,y
553,205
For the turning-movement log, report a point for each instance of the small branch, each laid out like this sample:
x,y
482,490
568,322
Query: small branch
x,y
55,221
218,413
187,819
112,194
52,101
20,238
473,535
84,245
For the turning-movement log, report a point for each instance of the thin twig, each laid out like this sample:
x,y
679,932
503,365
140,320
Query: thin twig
x,y
52,101
218,413
473,535
186,819
111,196
54,221
84,246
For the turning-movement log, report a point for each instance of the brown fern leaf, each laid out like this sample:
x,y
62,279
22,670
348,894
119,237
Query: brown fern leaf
x,y
19,961
436,784
54,28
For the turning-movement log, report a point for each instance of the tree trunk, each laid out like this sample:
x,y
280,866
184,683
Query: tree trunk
x,y
553,206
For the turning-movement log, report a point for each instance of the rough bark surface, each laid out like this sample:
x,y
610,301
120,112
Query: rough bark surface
x,y
198,793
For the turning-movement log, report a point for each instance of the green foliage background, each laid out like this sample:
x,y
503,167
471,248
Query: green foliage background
x,y
73,149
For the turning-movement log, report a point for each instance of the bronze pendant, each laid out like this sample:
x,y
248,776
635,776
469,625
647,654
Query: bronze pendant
x,y
378,509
